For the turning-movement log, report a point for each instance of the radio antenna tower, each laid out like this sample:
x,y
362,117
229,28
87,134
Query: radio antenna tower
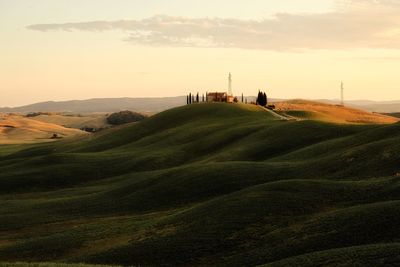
x,y
230,84
342,93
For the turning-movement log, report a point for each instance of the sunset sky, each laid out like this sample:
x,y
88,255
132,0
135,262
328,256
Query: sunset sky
x,y
79,49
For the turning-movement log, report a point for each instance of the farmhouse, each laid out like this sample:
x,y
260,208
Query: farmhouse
x,y
219,97
222,96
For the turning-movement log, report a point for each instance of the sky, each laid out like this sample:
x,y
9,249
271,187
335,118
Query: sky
x,y
52,50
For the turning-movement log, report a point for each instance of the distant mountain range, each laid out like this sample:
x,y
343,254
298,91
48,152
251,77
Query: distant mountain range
x,y
153,105
102,105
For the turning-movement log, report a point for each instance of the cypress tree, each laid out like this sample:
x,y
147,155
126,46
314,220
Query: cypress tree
x,y
190,98
197,98
261,99
265,99
242,98
258,96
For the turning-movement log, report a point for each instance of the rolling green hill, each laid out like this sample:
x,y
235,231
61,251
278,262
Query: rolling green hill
x,y
206,184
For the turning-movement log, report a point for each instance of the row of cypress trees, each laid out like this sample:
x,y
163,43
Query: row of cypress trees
x,y
191,99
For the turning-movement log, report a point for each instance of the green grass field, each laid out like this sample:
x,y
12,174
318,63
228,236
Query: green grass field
x,y
206,184
44,264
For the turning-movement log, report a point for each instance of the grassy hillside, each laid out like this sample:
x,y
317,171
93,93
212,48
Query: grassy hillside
x,y
18,129
44,264
396,114
206,184
305,110
96,120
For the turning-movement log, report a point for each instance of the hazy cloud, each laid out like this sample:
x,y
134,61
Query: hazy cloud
x,y
354,24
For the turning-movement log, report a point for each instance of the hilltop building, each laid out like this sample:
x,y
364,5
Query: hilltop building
x,y
219,97
222,96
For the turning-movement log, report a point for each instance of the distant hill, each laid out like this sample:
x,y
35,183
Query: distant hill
x,y
154,105
95,121
17,129
150,105
397,114
372,106
39,127
312,110
206,185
